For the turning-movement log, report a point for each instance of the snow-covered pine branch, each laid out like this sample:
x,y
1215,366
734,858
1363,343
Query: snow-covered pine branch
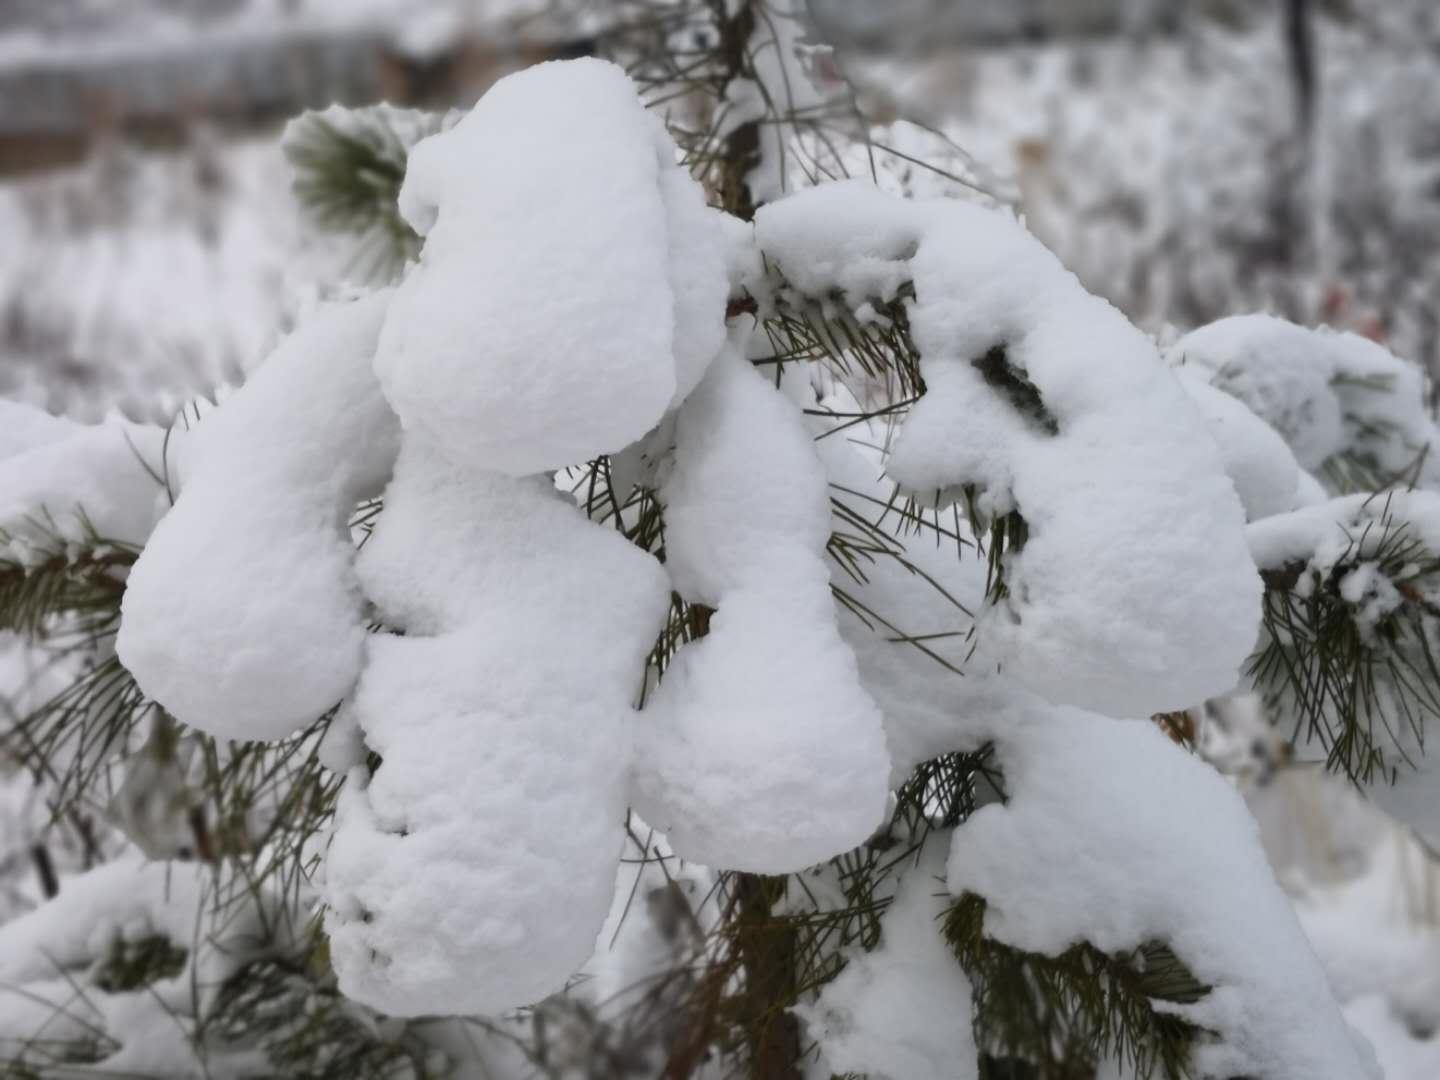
x,y
888,539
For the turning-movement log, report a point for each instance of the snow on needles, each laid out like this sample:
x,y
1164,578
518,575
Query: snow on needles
x,y
906,613
1344,540
763,751
1114,835
473,871
902,1010
1329,395
63,482
572,286
53,959
570,301
1257,460
1046,401
572,282
242,616
546,319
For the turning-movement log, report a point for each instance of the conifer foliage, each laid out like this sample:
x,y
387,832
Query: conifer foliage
x,y
682,504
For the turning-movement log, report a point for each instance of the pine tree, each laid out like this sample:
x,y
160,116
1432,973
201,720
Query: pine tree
x,y
882,317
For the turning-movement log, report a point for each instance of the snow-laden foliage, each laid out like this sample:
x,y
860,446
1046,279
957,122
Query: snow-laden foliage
x,y
891,1011
1179,174
67,482
1049,887
313,429
1351,412
770,693
1038,399
115,962
1349,656
376,581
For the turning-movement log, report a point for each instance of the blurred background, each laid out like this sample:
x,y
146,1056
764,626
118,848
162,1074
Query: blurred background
x,y
1189,159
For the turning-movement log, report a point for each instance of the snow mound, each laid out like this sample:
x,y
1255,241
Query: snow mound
x,y
243,616
761,749
1107,829
1044,400
547,317
1257,460
572,284
63,482
501,720
907,616
1326,393
50,958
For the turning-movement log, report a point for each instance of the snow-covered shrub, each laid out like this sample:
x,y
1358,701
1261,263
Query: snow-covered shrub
x,y
853,547
1347,654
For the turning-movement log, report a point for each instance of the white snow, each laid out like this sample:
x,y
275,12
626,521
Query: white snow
x,y
1326,393
49,957
472,873
1257,460
1346,532
901,1011
24,427
1319,535
546,318
571,284
1127,504
1281,374
1401,1056
569,303
1115,835
242,616
761,749
65,481
1364,889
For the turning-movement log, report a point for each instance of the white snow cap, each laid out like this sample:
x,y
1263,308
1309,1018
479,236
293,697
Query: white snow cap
x,y
1107,830
63,481
1257,460
1326,393
24,427
1049,402
571,285
473,871
572,280
242,616
760,750
901,1011
1320,534
1348,532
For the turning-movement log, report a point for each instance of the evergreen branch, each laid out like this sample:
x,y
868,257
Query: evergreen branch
x,y
1352,662
781,938
44,576
875,356
288,1005
349,165
1064,1015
